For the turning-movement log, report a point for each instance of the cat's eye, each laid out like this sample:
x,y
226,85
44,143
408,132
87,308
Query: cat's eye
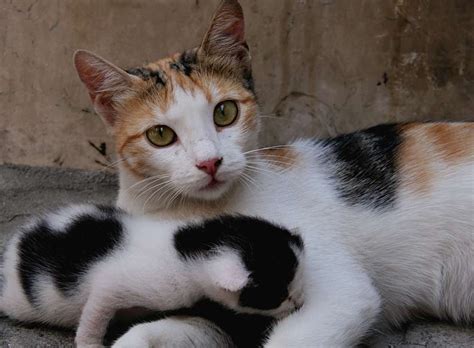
x,y
225,113
161,135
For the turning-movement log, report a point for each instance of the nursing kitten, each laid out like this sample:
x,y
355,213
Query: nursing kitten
x,y
386,213
79,265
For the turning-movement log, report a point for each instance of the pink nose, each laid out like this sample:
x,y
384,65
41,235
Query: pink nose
x,y
210,166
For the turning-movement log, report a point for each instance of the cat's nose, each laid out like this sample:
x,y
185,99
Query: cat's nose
x,y
210,166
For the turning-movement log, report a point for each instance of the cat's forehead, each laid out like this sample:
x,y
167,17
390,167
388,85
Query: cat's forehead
x,y
168,80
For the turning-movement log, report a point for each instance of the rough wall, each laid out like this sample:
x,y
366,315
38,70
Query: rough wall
x,y
322,67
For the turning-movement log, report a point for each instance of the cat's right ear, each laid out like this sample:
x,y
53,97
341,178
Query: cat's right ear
x,y
226,34
105,82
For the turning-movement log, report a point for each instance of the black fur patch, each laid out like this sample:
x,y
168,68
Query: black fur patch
x,y
245,330
148,74
365,166
248,81
65,255
264,247
186,62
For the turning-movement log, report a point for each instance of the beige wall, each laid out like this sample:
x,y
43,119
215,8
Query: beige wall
x,y
321,67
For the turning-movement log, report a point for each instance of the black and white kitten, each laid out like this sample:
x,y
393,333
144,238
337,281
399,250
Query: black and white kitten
x,y
79,265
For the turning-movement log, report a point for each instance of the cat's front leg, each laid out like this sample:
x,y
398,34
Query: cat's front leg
x,y
94,320
341,305
175,332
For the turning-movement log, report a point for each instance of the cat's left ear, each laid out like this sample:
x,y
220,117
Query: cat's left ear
x,y
226,35
106,83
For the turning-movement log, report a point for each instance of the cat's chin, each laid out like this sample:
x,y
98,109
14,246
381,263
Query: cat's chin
x,y
211,192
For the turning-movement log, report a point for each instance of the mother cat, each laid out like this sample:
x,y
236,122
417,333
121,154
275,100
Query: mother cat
x,y
386,213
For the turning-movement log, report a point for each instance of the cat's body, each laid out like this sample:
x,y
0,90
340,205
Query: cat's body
x,y
407,237
386,214
79,265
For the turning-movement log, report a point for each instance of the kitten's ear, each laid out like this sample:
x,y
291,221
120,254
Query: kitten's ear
x,y
228,272
226,35
105,83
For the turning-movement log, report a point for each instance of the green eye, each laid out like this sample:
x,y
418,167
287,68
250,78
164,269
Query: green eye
x,y
225,113
161,135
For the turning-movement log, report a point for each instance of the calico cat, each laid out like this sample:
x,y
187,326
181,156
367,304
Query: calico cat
x,y
386,213
79,265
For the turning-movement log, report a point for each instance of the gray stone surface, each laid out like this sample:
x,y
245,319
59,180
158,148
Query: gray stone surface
x,y
25,191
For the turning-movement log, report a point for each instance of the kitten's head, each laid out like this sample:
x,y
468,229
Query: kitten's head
x,y
245,263
187,119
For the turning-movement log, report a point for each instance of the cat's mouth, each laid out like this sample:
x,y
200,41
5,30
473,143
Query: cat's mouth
x,y
214,183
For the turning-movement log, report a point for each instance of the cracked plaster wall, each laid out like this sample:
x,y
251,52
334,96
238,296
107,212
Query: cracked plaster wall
x,y
322,67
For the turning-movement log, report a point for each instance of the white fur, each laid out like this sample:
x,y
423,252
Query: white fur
x,y
229,271
362,265
191,117
416,257
145,271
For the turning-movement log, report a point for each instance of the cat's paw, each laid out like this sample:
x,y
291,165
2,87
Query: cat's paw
x,y
174,333
137,336
89,345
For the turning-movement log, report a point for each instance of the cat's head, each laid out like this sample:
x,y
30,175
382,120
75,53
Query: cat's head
x,y
187,119
246,263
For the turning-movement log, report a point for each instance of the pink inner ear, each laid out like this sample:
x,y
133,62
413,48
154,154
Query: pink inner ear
x,y
90,76
103,81
103,105
236,30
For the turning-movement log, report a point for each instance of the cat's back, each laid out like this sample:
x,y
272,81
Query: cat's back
x,y
391,175
380,166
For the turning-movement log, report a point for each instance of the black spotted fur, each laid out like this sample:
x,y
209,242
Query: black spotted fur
x,y
255,240
364,165
65,255
186,63
148,74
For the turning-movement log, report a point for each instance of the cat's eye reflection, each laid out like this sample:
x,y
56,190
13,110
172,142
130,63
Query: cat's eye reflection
x,y
161,136
225,113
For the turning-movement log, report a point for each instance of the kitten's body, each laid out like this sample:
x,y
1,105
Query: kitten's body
x,y
386,213
78,266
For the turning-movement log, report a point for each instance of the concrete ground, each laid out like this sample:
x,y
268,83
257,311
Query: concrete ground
x,y
25,191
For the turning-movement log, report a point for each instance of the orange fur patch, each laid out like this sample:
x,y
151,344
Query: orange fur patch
x,y
426,145
454,142
414,160
280,157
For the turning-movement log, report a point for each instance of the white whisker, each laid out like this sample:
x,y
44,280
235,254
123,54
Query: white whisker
x,y
250,180
270,147
166,187
161,176
153,187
